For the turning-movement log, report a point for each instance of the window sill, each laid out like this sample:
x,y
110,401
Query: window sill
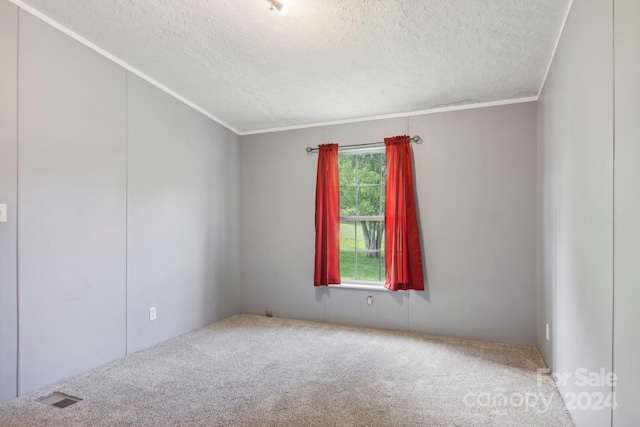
x,y
360,286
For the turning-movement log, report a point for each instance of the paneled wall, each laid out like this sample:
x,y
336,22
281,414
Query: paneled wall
x,y
182,218
589,230
576,139
476,194
576,149
127,199
72,220
8,196
120,198
626,349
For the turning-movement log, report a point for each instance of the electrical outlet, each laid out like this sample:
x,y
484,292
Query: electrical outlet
x,y
3,212
152,313
547,332
369,300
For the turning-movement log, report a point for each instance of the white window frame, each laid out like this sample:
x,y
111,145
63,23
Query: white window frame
x,y
364,284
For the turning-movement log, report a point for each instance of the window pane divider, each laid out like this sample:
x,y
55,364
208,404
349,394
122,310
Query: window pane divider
x,y
362,218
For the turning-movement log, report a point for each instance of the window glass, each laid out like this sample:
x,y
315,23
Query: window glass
x,y
362,191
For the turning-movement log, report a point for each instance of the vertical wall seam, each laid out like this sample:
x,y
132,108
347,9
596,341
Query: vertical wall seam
x,y
209,272
613,204
17,210
238,203
126,213
554,178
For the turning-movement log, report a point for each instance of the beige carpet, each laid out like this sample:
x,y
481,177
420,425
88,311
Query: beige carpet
x,y
258,371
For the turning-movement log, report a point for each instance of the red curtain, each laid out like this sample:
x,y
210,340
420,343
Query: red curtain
x,y
402,251
327,263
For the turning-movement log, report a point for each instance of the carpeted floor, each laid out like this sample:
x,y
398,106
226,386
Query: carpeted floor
x,y
258,371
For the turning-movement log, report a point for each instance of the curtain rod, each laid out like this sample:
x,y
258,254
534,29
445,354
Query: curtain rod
x,y
416,139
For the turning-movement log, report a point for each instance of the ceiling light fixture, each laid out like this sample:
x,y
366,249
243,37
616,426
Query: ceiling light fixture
x,y
281,7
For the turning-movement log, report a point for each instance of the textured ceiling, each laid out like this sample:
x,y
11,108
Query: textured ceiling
x,y
326,60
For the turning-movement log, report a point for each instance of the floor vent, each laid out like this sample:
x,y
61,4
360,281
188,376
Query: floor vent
x,y
59,400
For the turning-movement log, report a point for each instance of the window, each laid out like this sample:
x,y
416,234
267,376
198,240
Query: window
x,y
362,200
350,241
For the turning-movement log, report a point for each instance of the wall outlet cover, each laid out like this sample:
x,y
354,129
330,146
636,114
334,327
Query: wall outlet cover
x,y
547,332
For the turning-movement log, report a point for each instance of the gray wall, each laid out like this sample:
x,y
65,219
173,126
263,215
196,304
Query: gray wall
x,y
180,186
627,211
72,189
476,190
590,210
8,196
127,199
476,183
548,117
576,241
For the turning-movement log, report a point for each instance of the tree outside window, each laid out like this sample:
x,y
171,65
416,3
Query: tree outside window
x,y
362,201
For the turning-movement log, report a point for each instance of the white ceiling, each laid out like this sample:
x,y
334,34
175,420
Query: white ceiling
x,y
253,69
